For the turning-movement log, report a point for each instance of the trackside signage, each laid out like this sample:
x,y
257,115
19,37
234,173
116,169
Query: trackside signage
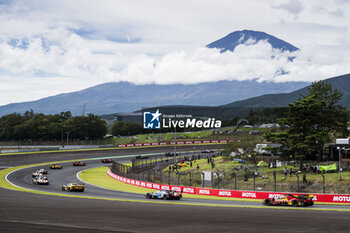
x,y
172,143
331,198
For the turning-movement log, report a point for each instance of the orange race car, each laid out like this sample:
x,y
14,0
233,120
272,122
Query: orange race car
x,y
79,163
290,200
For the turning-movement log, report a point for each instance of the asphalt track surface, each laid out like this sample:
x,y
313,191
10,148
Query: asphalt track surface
x,y
28,212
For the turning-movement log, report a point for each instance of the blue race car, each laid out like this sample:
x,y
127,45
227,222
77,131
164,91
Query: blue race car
x,y
164,194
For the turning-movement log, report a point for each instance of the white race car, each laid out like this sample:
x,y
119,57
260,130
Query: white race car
x,y
39,172
40,179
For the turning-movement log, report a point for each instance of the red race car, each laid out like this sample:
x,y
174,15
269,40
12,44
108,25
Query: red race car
x,y
290,200
79,163
106,161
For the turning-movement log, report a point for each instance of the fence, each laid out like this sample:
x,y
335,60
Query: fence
x,y
162,170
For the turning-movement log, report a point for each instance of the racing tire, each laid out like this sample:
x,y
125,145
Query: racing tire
x,y
267,202
295,203
63,189
311,203
148,196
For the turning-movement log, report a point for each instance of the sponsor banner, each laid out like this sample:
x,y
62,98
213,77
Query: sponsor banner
x,y
166,187
176,188
209,192
331,198
249,195
189,190
225,193
172,143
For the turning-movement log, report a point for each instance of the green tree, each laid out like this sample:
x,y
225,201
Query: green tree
x,y
311,120
8,124
121,128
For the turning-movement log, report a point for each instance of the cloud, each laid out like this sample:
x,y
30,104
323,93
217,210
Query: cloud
x,y
248,62
62,46
325,7
71,65
292,6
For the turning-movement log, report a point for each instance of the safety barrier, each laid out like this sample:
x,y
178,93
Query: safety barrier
x,y
328,198
177,143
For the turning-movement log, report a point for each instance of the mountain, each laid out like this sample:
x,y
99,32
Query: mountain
x,y
233,39
242,108
126,97
341,83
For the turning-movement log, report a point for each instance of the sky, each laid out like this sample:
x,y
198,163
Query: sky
x,y
51,47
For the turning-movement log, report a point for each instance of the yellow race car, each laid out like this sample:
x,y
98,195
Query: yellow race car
x,y
56,166
73,187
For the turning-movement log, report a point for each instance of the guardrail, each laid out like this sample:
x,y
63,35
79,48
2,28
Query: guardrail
x,y
18,149
177,143
321,198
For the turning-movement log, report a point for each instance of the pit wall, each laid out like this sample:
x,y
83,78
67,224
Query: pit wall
x,y
318,198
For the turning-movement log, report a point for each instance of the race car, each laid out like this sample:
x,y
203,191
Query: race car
x,y
207,151
73,187
164,194
142,157
79,163
290,200
56,166
171,154
40,179
39,172
106,160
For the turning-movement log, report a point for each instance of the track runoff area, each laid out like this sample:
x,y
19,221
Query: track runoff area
x,y
26,207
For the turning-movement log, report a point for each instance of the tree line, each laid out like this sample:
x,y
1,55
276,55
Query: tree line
x,y
312,121
38,126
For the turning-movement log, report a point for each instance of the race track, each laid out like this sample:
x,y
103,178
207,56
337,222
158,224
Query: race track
x,y
43,213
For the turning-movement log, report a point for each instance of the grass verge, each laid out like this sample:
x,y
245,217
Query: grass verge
x,y
98,176
6,185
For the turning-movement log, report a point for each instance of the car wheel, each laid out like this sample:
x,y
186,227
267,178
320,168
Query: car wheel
x,y
267,201
63,189
148,196
295,203
311,203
